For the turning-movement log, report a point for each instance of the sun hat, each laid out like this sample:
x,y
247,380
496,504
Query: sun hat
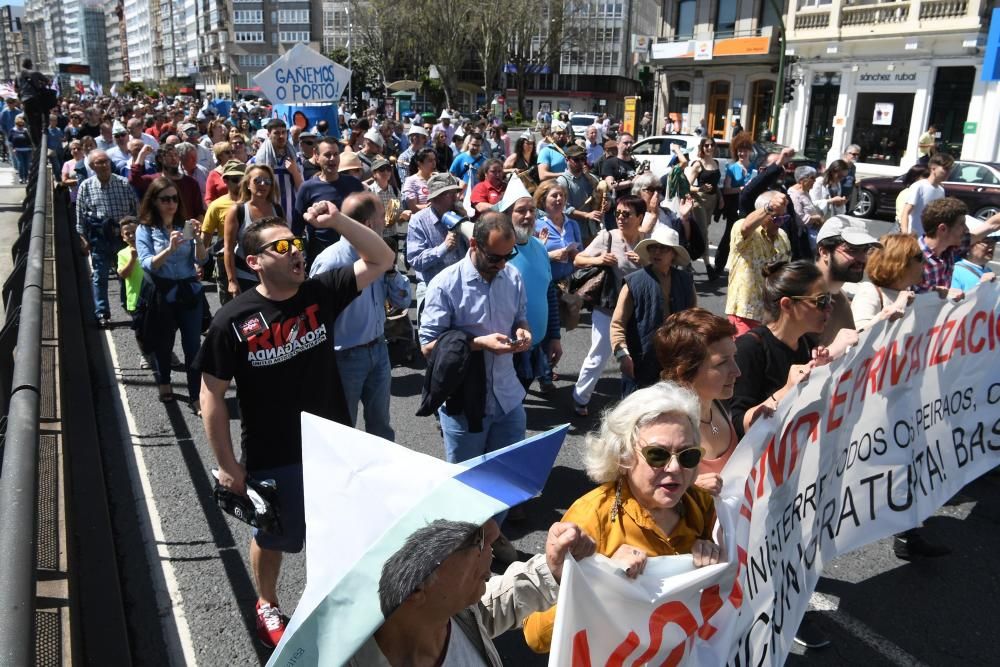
x,y
664,235
349,160
440,183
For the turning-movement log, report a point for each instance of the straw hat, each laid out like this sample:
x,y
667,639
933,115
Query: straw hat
x,y
349,160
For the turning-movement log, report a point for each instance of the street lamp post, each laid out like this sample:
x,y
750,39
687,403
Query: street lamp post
x,y
350,38
780,84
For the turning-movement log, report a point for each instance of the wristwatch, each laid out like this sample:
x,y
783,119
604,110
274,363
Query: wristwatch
x,y
621,353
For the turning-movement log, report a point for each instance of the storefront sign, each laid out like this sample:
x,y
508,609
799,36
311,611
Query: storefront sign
x,y
896,78
628,118
703,49
670,50
970,127
742,46
882,114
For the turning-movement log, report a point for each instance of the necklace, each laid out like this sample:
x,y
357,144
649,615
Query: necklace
x,y
711,420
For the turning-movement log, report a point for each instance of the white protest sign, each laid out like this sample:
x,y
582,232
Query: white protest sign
x,y
303,76
871,445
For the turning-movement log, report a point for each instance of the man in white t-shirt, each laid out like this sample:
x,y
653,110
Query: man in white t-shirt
x,y
923,192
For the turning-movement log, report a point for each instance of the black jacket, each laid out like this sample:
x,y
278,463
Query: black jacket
x,y
456,378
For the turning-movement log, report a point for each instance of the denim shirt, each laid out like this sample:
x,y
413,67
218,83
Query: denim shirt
x,y
179,265
459,298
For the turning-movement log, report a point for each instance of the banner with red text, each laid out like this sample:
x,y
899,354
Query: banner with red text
x,y
871,445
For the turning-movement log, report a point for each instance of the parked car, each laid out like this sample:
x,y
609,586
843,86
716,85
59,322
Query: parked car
x,y
977,184
580,122
656,150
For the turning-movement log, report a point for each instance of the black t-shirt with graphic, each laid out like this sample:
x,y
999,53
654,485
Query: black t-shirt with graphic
x,y
281,354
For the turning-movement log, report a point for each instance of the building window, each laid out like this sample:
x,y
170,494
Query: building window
x,y
287,16
768,16
680,98
255,16
725,18
685,19
882,142
252,37
254,60
293,36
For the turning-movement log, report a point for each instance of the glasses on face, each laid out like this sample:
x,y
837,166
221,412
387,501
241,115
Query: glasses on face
x,y
707,146
624,213
659,457
96,163
262,180
308,143
856,250
821,301
496,259
651,189
283,246
855,154
168,199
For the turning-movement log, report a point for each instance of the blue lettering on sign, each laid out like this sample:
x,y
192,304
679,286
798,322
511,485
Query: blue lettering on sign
x,y
307,84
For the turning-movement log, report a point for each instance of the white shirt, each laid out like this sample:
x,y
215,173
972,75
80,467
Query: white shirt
x,y
919,195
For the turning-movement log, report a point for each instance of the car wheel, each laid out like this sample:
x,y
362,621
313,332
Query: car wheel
x,y
866,204
987,212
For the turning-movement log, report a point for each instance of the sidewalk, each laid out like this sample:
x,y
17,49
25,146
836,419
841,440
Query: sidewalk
x,y
11,200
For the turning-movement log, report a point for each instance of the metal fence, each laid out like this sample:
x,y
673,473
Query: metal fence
x,y
19,474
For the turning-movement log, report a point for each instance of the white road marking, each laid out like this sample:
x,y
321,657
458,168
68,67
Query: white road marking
x,y
169,602
830,606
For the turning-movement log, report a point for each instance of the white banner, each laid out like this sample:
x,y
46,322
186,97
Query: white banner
x,y
870,446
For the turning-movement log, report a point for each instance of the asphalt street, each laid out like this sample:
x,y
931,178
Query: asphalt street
x,y
186,568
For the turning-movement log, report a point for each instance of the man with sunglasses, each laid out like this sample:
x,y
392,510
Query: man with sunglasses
x,y
619,172
579,185
842,248
277,342
486,299
215,217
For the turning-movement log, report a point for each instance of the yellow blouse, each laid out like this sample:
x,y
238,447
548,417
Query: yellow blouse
x,y
633,526
747,259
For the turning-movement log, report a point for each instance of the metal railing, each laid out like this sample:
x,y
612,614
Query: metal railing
x,y
19,475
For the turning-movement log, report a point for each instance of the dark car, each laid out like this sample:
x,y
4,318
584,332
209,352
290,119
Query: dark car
x,y
976,184
760,150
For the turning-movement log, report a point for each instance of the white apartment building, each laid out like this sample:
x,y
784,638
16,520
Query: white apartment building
x,y
877,74
139,33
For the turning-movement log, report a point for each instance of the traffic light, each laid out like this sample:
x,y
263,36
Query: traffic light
x,y
789,91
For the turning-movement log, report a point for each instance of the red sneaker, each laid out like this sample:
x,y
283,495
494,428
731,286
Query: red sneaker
x,y
270,624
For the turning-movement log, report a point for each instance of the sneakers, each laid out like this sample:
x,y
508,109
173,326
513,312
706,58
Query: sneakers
x,y
270,624
911,544
146,363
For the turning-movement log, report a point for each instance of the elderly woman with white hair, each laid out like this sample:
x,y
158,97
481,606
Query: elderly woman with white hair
x,y
645,458
806,216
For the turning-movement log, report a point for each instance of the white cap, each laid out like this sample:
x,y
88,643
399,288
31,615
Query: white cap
x,y
374,136
558,126
515,190
416,129
846,228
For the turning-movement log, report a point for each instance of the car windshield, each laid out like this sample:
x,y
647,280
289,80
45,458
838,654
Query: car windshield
x,y
581,120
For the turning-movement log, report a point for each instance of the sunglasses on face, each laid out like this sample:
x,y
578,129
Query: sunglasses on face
x,y
821,301
623,213
308,143
168,199
659,457
855,154
262,180
496,259
283,246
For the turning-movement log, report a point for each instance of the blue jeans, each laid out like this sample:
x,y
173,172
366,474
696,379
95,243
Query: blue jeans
x,y
100,260
365,373
498,432
188,322
22,160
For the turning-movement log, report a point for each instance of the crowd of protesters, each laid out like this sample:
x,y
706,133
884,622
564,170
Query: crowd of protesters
x,y
311,238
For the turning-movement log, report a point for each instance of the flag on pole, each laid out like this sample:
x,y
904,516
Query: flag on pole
x,y
398,492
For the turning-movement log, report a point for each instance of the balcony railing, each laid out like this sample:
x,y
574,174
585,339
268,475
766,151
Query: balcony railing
x,y
812,20
943,9
897,12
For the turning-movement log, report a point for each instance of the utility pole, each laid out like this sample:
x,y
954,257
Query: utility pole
x,y
780,83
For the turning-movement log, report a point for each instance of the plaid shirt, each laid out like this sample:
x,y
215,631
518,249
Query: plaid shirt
x,y
938,268
98,203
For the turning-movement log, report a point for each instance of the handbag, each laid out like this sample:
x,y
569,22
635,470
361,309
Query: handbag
x,y
570,305
592,283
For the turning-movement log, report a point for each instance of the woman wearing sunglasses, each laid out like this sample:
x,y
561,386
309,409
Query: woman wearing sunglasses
x,y
645,458
171,291
894,269
696,349
775,357
704,175
258,200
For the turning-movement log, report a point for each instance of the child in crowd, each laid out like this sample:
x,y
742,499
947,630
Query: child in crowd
x,y
131,273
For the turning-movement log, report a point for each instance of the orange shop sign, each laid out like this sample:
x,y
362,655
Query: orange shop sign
x,y
737,46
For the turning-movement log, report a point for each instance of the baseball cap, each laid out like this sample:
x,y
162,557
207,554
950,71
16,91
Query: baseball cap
x,y
850,231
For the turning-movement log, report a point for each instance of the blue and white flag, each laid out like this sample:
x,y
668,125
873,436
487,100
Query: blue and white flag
x,y
363,497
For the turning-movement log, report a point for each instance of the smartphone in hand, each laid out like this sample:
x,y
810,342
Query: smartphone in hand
x,y
188,230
